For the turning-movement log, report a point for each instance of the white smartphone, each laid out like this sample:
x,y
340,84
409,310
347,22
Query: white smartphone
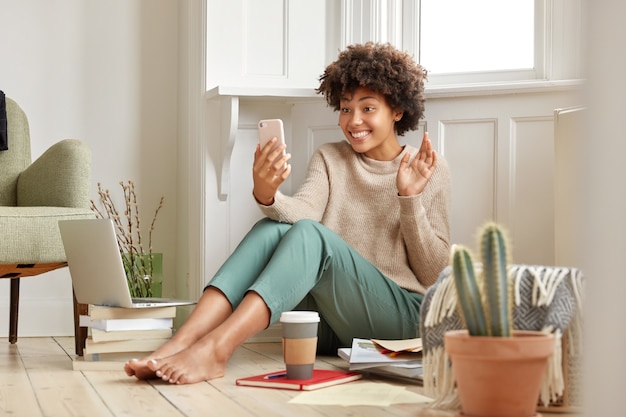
x,y
269,129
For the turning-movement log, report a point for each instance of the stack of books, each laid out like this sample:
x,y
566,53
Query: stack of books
x,y
118,334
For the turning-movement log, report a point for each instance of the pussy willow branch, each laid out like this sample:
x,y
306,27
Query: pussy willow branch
x,y
156,212
131,191
128,233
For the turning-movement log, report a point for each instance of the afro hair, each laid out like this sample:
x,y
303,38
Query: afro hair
x,y
383,69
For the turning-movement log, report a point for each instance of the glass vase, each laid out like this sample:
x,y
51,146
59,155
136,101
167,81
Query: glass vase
x,y
144,274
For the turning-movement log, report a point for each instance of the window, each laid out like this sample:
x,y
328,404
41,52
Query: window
x,y
460,36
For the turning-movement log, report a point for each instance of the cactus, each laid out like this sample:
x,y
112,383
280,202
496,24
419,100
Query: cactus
x,y
488,314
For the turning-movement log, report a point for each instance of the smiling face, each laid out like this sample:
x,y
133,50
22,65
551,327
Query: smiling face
x,y
367,122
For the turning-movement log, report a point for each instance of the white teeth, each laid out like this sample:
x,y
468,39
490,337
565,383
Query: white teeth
x,y
360,134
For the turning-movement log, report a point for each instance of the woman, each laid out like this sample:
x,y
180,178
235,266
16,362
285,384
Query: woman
x,y
361,240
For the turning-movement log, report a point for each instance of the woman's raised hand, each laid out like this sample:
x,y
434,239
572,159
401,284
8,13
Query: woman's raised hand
x,y
412,178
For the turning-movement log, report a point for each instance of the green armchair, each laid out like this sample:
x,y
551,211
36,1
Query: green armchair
x,y
33,198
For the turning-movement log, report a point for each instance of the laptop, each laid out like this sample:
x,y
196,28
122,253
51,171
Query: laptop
x,y
96,267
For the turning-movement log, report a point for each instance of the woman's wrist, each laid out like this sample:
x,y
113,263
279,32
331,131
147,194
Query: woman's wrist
x,y
263,201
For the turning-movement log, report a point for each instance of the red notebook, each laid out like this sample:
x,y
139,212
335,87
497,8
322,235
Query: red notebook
x,y
321,378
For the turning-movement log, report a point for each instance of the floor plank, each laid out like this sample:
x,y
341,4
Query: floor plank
x,y
36,379
16,395
59,390
126,396
196,399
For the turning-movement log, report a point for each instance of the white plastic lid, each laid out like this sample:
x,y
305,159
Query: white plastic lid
x,y
300,317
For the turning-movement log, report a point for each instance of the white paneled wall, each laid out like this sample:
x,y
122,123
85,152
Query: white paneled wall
x,y
501,154
569,123
531,188
500,149
470,146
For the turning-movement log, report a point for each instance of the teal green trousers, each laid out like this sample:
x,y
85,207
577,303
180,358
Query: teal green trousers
x,y
306,266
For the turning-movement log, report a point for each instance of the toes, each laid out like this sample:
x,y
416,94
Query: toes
x,y
128,369
164,372
153,365
135,367
175,377
168,373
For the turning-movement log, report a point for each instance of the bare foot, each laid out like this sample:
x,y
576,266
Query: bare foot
x,y
139,367
199,362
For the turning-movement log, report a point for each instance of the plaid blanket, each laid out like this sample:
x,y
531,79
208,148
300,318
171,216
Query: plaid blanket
x,y
546,299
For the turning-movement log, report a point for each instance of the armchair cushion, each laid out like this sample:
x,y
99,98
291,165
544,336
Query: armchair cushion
x,y
31,234
58,178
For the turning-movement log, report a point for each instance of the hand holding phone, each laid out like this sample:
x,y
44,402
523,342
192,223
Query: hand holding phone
x,y
267,176
269,129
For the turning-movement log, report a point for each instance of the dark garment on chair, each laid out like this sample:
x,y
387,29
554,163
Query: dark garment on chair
x,y
4,141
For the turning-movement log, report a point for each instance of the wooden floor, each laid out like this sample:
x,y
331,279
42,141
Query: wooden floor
x,y
36,379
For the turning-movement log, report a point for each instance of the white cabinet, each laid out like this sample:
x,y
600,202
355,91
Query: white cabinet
x,y
266,43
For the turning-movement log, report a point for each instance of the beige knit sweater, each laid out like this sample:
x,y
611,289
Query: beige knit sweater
x,y
407,238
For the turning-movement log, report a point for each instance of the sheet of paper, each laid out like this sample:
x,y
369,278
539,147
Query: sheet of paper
x,y
409,345
360,393
367,354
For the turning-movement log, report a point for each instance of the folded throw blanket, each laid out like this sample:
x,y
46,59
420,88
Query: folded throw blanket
x,y
546,299
4,140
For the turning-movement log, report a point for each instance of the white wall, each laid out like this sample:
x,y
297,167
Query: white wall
x,y
602,244
106,73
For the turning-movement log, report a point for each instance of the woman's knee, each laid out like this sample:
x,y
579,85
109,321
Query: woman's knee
x,y
267,225
265,222
308,224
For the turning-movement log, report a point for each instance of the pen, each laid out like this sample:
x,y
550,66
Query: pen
x,y
272,376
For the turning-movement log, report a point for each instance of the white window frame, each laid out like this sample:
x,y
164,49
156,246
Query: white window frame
x,y
535,73
557,40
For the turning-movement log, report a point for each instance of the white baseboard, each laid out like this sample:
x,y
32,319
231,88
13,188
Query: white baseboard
x,y
46,305
39,318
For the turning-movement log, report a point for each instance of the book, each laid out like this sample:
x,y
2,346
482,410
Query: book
x,y
97,312
410,371
321,378
126,324
113,356
131,345
113,361
104,336
367,355
79,364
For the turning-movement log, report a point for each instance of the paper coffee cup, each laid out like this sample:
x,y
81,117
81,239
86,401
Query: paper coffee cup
x,y
299,342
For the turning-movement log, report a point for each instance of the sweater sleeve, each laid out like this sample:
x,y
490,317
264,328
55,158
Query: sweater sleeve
x,y
425,226
309,202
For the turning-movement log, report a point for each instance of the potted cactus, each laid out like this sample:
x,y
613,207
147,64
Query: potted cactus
x,y
498,370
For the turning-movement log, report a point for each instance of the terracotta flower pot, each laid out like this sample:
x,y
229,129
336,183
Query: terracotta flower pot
x,y
499,376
